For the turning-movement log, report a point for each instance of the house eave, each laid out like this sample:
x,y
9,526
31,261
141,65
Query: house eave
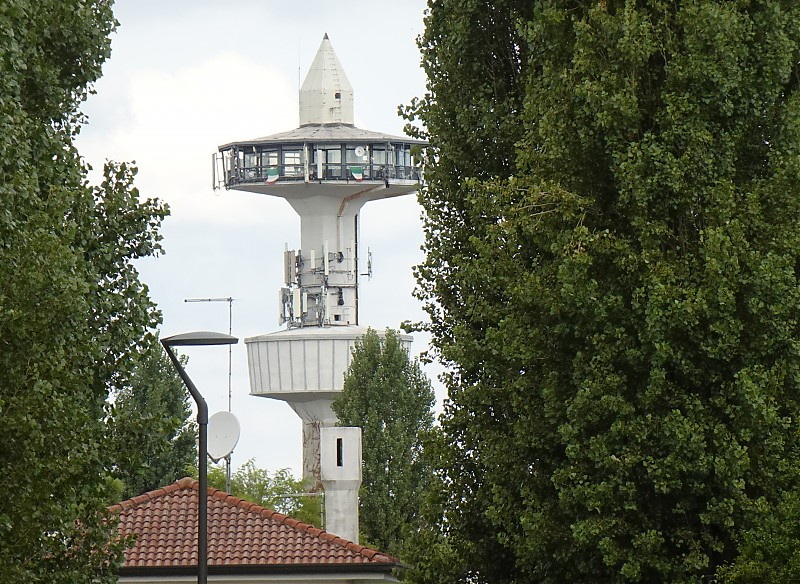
x,y
382,572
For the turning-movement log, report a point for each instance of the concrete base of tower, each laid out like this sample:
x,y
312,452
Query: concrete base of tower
x,y
316,415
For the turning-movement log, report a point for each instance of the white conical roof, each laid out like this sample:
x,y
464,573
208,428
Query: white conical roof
x,y
326,96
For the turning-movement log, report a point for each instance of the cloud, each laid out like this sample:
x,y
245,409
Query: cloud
x,y
173,123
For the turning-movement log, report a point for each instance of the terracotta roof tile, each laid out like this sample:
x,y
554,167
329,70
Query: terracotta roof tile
x,y
240,533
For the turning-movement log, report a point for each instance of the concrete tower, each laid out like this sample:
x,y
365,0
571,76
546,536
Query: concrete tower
x,y
327,169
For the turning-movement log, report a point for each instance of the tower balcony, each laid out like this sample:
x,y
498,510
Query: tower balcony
x,y
323,155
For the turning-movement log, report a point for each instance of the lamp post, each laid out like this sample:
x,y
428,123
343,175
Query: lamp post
x,y
185,340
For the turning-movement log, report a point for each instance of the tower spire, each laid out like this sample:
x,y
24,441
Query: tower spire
x,y
326,96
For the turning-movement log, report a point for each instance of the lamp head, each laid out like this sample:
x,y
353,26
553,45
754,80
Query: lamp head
x,y
199,338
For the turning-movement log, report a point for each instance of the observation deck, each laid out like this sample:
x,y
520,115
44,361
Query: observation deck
x,y
339,155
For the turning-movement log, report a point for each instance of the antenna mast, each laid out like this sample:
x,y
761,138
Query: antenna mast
x,y
229,300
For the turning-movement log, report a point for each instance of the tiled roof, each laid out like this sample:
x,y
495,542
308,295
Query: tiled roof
x,y
239,534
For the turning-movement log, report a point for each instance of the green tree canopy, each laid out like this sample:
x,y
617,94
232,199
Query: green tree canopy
x,y
611,264
769,553
389,397
152,435
72,308
278,491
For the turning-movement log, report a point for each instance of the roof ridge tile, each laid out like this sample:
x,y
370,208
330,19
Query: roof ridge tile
x,y
153,494
185,482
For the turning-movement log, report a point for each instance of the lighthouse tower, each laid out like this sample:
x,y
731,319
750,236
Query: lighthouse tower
x,y
327,169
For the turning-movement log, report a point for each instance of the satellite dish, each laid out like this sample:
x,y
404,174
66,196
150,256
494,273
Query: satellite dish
x,y
223,435
360,151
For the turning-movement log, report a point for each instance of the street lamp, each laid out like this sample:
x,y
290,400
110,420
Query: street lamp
x,y
187,340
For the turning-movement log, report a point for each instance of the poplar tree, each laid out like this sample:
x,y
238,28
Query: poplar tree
x,y
612,249
72,308
388,396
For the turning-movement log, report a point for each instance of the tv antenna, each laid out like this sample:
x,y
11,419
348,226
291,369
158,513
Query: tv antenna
x,y
229,300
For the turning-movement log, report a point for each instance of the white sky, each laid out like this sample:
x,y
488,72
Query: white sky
x,y
186,76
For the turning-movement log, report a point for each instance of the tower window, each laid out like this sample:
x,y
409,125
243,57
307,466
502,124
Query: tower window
x,y
338,95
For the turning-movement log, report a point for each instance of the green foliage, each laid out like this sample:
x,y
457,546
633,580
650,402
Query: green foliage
x,y
770,552
434,551
389,397
618,303
256,485
152,435
72,309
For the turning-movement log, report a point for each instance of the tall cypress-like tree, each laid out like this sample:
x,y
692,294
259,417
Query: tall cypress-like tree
x,y
152,435
72,308
619,303
389,397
